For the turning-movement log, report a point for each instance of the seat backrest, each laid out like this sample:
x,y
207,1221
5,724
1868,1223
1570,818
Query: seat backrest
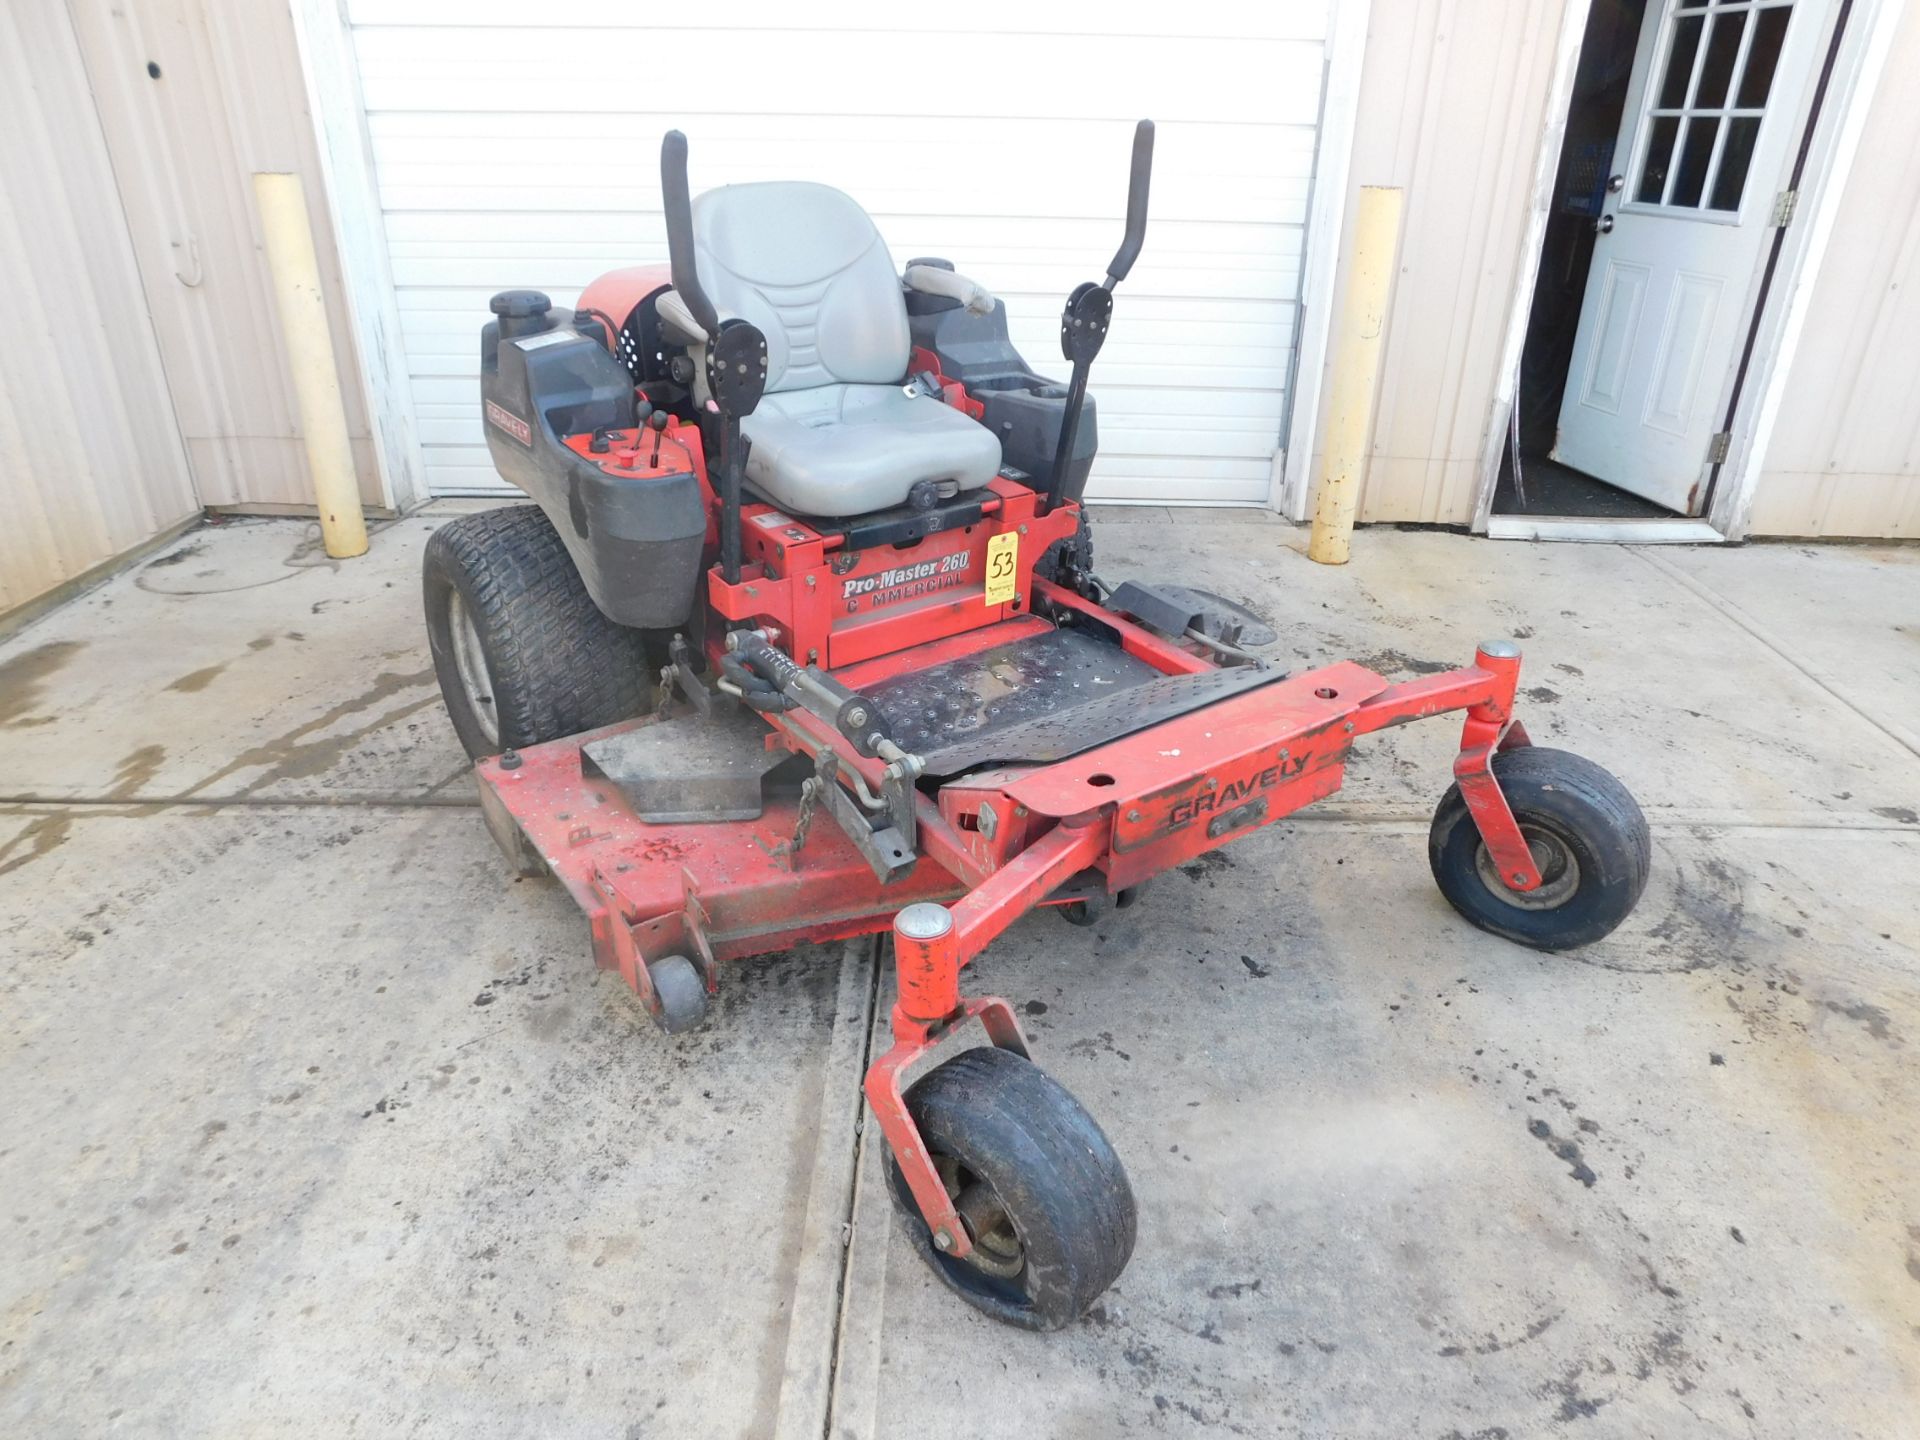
x,y
804,264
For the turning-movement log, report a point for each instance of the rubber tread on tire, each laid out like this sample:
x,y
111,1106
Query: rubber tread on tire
x,y
556,664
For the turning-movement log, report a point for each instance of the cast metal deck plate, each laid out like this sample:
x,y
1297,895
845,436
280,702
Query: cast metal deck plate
x,y
687,768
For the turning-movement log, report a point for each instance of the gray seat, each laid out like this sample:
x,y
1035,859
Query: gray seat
x,y
835,433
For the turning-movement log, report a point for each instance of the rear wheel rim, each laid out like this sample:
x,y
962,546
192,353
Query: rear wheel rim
x,y
1552,857
470,661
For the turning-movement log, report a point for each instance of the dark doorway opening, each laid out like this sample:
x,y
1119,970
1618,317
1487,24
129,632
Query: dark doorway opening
x,y
1531,482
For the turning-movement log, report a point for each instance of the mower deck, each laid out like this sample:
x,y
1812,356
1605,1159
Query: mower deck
x,y
1172,788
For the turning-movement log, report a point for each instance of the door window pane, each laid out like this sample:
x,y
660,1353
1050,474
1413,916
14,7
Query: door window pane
x,y
1720,60
1769,29
1716,71
1653,170
1735,156
1690,176
1686,39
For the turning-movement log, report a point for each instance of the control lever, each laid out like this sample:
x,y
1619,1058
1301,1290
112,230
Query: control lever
x,y
656,422
736,352
1083,326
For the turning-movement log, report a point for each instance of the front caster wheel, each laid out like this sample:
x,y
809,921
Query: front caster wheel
x,y
682,993
1588,838
1093,910
1044,1198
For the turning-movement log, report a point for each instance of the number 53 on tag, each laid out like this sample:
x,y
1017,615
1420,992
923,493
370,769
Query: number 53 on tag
x,y
1003,568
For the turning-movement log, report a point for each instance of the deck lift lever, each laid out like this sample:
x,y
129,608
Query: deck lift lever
x,y
890,848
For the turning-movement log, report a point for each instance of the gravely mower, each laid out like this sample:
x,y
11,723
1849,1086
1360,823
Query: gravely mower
x,y
802,641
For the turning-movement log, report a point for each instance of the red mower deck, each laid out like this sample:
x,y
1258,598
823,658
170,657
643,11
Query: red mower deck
x,y
1129,810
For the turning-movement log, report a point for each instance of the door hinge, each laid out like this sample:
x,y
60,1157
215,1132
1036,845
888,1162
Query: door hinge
x,y
1718,446
1783,204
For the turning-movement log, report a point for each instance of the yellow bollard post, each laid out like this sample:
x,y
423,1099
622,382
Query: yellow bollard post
x,y
1360,330
316,384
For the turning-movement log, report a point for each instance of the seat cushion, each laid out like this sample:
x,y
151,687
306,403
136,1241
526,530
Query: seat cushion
x,y
839,450
806,266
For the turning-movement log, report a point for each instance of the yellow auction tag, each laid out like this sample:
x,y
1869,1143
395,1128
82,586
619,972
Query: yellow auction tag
x,y
1003,568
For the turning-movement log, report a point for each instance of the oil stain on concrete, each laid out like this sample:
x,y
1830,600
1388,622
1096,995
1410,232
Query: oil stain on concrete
x,y
23,679
305,751
194,681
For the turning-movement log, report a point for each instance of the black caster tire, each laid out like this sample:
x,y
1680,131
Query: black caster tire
x,y
1082,913
1093,911
1046,1200
522,653
1589,840
682,993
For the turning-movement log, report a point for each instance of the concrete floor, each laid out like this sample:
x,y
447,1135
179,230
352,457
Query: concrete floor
x,y
316,1124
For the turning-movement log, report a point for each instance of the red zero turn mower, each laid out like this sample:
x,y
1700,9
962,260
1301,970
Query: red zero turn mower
x,y
837,517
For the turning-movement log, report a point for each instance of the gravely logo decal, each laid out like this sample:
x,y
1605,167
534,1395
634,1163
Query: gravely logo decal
x,y
905,582
509,422
1234,791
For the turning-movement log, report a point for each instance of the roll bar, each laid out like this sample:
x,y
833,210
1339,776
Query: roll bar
x,y
679,208
1129,250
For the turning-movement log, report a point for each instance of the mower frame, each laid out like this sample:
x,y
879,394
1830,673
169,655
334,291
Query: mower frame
x,y
1000,843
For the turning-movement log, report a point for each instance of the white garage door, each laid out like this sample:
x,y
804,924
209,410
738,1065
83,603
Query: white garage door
x,y
517,144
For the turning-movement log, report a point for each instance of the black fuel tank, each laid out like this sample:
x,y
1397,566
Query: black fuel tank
x,y
636,539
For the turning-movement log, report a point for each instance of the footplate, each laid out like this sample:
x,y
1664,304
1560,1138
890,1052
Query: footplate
x,y
1043,699
1110,717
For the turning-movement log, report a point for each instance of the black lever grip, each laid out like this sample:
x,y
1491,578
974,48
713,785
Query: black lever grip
x,y
679,208
1129,250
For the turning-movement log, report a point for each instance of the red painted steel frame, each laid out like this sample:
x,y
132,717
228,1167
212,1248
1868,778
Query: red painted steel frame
x,y
832,607
1121,812
1148,802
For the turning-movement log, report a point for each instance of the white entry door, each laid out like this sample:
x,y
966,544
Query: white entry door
x,y
1713,111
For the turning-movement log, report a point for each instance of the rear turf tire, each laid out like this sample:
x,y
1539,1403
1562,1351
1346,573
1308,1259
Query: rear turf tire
x,y
1056,1219
1589,841
522,653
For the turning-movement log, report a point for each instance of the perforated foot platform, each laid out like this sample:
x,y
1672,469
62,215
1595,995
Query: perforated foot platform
x,y
1040,699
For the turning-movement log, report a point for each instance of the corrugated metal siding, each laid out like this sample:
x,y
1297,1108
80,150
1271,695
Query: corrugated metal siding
x,y
91,463
1845,453
229,100
519,149
1452,100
